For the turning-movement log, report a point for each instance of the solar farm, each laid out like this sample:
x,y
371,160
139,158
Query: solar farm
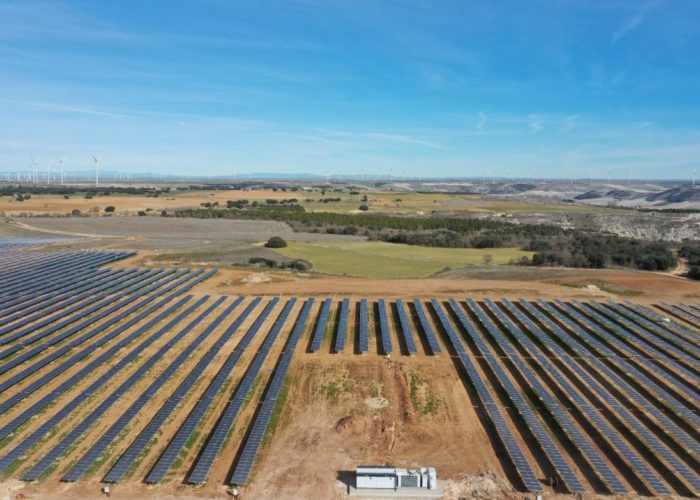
x,y
116,374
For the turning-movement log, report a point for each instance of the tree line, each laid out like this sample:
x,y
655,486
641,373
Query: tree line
x,y
552,245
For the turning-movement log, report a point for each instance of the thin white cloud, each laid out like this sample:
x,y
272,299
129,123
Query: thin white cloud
x,y
633,22
482,121
536,123
569,123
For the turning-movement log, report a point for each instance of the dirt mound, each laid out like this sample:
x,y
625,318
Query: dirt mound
x,y
483,486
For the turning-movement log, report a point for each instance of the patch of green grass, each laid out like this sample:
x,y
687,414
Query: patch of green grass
x,y
427,405
277,411
389,260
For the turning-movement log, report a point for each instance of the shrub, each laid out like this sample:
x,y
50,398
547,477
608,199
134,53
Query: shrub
x,y
75,212
300,265
142,213
364,207
276,242
262,260
109,209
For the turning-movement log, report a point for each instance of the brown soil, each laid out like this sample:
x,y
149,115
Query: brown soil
x,y
640,286
328,428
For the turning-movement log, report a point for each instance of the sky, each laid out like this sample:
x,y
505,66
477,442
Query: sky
x,y
557,88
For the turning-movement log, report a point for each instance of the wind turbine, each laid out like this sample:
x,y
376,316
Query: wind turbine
x,y
60,162
97,171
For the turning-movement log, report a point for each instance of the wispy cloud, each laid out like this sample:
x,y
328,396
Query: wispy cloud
x,y
633,22
482,121
536,123
569,123
71,109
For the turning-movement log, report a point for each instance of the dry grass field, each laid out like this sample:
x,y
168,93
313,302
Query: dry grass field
x,y
377,200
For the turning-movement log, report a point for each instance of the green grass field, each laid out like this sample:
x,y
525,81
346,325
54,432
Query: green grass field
x,y
389,260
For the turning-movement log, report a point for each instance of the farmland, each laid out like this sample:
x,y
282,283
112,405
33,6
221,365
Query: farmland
x,y
558,396
387,260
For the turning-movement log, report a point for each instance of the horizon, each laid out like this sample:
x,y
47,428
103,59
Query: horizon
x,y
567,90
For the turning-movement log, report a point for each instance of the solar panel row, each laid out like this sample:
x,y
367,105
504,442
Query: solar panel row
x,y
262,419
93,388
321,325
129,457
384,330
72,437
624,363
653,444
363,328
406,330
217,437
512,448
100,446
543,438
671,370
426,327
342,326
184,432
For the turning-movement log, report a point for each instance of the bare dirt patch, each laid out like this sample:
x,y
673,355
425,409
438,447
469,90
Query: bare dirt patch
x,y
328,428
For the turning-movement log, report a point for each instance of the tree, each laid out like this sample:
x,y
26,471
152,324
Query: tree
x,y
276,242
109,209
363,207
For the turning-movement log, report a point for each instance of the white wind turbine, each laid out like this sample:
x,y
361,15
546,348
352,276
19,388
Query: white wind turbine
x,y
97,171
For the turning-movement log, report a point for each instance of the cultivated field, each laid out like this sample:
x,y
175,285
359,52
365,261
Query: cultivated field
x,y
388,260
127,374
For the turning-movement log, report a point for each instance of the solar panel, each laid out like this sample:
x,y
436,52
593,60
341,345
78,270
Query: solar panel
x,y
33,410
671,370
257,431
187,281
384,330
406,331
363,328
185,430
129,457
426,328
664,322
512,448
100,446
542,437
342,326
623,363
321,325
653,443
72,437
217,437
641,322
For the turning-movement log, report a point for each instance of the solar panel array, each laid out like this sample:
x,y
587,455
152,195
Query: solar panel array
x,y
597,395
384,330
426,328
321,325
176,444
363,328
406,330
341,334
257,431
224,424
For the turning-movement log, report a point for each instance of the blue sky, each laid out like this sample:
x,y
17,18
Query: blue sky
x,y
417,87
